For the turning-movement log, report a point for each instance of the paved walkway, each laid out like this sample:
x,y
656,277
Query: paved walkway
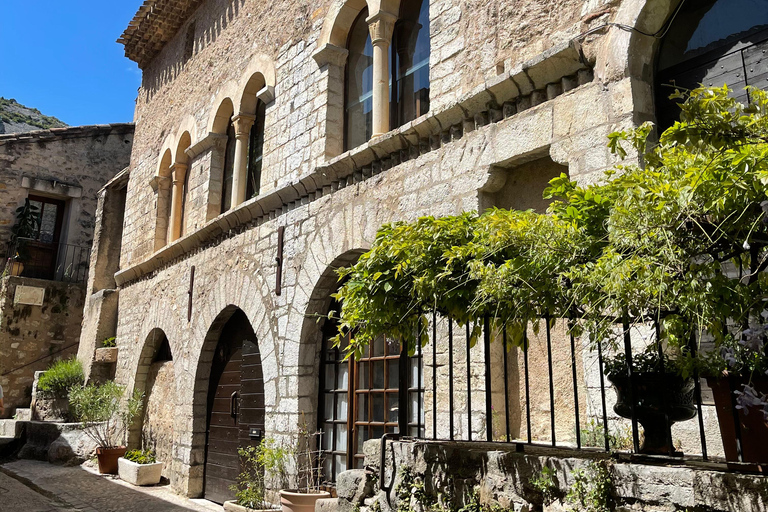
x,y
32,486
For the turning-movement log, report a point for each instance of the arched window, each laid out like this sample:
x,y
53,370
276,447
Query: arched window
x,y
229,169
358,108
410,53
408,68
712,42
185,204
255,152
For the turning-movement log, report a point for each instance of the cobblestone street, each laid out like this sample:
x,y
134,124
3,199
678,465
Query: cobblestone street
x,y
32,486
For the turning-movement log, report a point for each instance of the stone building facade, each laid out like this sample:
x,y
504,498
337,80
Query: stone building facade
x,y
42,294
270,146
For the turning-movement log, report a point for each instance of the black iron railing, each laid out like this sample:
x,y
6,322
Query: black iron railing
x,y
482,393
51,261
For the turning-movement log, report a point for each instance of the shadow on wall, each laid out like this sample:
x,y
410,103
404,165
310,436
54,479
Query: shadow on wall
x,y
204,33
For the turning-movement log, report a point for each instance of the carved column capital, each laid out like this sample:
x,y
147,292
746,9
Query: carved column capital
x,y
243,123
179,172
381,25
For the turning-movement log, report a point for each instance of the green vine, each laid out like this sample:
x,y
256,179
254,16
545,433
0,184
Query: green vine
x,y
544,483
592,489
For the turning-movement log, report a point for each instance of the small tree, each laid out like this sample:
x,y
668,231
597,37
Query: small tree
x,y
104,413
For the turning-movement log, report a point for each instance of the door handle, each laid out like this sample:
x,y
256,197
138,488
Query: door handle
x,y
233,404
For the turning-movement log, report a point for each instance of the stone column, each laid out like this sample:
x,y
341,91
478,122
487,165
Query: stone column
x,y
179,172
161,185
380,26
243,123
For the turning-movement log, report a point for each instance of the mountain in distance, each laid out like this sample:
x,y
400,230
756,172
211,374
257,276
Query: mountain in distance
x,y
16,118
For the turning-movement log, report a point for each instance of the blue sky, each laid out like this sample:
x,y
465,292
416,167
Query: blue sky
x,y
61,58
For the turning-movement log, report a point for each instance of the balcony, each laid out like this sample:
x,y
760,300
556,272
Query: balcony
x,y
34,259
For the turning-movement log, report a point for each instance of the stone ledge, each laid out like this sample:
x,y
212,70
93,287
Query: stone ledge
x,y
498,99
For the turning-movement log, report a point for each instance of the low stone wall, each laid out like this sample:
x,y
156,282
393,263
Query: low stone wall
x,y
32,337
55,442
453,475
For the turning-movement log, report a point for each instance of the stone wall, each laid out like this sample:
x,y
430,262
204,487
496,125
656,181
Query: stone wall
x,y
157,425
67,163
455,474
33,337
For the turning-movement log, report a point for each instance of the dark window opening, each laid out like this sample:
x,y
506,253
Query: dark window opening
x,y
163,352
229,166
189,42
256,152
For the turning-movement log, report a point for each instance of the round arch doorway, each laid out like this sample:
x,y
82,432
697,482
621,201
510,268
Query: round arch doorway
x,y
235,405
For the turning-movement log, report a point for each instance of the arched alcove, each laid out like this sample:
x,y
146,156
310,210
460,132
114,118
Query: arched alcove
x,y
155,378
229,401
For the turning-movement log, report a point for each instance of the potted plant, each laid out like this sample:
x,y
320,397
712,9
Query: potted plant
x,y
737,373
28,218
662,396
308,461
105,416
140,467
262,467
107,353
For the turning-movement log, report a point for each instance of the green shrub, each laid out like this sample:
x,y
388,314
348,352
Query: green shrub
x,y
141,456
104,415
109,343
60,378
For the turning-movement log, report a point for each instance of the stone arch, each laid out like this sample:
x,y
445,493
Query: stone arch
x,y
165,161
153,344
339,20
231,292
189,127
260,73
224,111
311,330
629,53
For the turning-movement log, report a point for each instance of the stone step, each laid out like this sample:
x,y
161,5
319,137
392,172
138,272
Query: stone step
x,y
24,414
7,428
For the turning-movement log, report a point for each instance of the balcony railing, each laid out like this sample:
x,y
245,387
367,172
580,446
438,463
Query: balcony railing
x,y
51,261
554,391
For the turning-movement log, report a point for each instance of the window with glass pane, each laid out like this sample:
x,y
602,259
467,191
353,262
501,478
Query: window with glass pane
x,y
416,394
335,406
712,42
51,218
229,166
410,53
255,152
376,394
358,110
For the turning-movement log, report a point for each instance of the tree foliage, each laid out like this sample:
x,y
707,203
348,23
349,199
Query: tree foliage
x,y
681,238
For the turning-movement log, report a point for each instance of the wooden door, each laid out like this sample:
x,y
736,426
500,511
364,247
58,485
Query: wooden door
x,y
221,462
235,405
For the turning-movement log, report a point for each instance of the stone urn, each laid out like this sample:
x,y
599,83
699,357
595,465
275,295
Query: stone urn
x,y
661,399
296,501
107,458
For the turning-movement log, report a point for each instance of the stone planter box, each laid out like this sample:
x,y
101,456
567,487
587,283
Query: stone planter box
x,y
106,355
51,409
232,506
139,474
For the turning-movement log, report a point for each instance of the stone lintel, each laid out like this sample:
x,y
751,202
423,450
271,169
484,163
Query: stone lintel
x,y
51,187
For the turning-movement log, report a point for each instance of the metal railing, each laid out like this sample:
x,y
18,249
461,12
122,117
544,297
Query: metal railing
x,y
31,258
486,392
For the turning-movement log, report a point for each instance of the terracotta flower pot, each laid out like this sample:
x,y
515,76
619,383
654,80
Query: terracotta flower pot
x,y
107,458
752,427
294,501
